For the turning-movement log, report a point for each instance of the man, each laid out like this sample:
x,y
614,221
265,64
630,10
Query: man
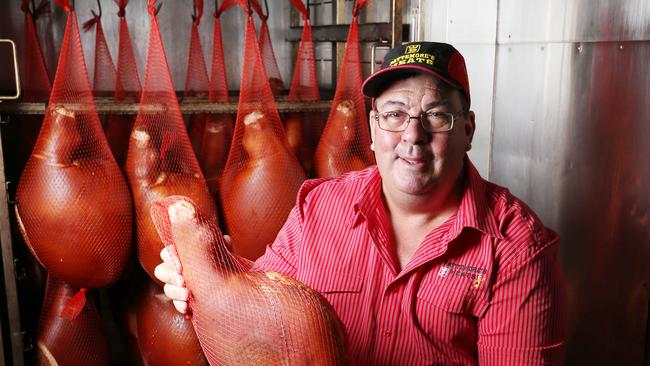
x,y
423,260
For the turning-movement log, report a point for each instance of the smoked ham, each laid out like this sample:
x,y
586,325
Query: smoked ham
x,y
341,148
73,205
258,197
214,149
303,131
61,341
242,316
153,176
164,336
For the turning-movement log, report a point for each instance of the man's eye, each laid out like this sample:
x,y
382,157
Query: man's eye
x,y
392,114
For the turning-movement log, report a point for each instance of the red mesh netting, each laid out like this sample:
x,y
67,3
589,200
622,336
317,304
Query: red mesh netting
x,y
36,84
304,128
196,80
160,160
345,143
262,176
268,56
243,316
127,89
72,202
104,75
165,337
219,127
36,87
60,341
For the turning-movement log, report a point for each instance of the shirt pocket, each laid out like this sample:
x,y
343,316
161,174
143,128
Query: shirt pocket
x,y
446,315
340,284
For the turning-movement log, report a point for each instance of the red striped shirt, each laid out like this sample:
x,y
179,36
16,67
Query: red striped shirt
x,y
484,287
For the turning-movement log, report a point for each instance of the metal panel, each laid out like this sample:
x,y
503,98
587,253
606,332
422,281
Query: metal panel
x,y
10,288
480,67
572,139
470,26
573,20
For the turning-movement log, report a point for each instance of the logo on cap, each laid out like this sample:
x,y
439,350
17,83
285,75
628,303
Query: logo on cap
x,y
413,48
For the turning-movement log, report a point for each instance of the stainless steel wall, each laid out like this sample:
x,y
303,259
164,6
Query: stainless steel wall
x,y
570,135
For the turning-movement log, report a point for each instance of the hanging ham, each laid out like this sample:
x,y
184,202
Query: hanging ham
x,y
260,195
165,337
338,150
60,341
74,211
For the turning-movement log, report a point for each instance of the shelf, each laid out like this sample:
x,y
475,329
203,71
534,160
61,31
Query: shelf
x,y
187,106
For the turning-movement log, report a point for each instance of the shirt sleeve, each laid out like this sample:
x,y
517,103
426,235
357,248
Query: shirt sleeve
x,y
525,323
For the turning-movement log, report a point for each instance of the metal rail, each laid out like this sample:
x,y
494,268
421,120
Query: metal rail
x,y
187,106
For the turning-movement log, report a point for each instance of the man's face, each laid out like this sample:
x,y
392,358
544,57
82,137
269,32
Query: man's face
x,y
414,161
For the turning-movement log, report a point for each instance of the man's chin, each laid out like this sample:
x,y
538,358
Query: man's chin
x,y
416,186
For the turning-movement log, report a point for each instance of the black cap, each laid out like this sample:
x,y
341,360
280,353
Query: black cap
x,y
441,60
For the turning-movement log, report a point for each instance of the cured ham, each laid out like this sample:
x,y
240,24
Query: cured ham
x,y
73,206
243,316
153,176
258,197
339,150
81,341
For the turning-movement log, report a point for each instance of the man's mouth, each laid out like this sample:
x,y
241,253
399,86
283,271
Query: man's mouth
x,y
413,161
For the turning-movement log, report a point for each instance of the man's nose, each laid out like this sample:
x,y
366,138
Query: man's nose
x,y
415,133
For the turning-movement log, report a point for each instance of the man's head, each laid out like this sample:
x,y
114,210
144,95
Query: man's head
x,y
424,85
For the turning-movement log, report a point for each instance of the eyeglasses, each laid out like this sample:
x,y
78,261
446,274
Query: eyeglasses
x,y
398,121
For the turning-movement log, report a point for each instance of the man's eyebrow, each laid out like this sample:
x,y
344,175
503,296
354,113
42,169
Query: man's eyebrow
x,y
395,103
438,103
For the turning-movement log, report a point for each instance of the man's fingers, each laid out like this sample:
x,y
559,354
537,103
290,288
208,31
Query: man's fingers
x,y
165,273
181,306
165,255
228,241
176,292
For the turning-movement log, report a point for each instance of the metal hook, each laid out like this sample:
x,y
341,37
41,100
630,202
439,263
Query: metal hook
x,y
308,9
33,7
99,5
250,9
217,13
194,12
266,5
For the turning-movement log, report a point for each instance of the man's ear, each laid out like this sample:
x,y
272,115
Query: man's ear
x,y
373,125
470,127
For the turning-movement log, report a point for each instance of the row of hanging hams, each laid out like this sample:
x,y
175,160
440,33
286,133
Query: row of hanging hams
x,y
76,214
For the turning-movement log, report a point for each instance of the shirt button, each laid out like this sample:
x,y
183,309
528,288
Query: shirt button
x,y
387,333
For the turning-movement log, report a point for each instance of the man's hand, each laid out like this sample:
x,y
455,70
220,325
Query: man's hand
x,y
174,282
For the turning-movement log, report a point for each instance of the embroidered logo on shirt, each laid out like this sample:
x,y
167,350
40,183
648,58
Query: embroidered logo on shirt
x,y
474,273
443,271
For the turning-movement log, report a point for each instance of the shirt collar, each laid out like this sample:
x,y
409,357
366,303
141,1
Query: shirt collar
x,y
370,197
473,210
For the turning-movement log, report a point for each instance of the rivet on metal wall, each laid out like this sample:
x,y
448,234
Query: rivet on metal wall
x,y
579,47
620,47
542,48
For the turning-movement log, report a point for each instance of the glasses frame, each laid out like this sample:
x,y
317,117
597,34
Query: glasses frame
x,y
421,119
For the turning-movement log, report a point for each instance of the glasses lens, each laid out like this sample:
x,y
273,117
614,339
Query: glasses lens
x,y
393,120
439,121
